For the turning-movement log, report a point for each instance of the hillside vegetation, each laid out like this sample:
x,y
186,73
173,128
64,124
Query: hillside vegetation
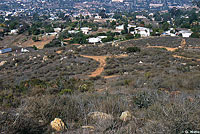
x,y
159,89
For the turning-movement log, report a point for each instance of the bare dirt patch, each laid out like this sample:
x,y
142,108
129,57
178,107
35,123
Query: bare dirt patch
x,y
39,44
102,61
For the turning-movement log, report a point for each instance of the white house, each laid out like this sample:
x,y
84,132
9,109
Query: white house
x,y
185,33
102,37
140,17
85,30
97,17
14,31
94,40
168,33
144,32
119,28
73,31
57,30
130,25
117,0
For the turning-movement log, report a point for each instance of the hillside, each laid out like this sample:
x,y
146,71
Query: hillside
x,y
154,78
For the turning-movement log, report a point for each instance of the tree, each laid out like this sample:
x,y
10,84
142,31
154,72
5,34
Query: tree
x,y
195,35
165,26
13,25
35,38
49,29
102,13
193,17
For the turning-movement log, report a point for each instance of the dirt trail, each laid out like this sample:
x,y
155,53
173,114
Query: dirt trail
x,y
182,45
102,61
182,57
111,76
168,48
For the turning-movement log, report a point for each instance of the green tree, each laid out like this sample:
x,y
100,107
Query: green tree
x,y
195,35
165,26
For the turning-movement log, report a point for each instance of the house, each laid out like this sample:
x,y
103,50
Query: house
x,y
170,32
97,17
85,30
119,28
117,0
94,40
14,31
102,37
144,32
73,31
185,33
57,30
53,34
140,17
130,25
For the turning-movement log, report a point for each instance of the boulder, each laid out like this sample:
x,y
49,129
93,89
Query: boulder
x,y
126,116
58,124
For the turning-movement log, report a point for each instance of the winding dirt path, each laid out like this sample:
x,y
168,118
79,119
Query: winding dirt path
x,y
102,61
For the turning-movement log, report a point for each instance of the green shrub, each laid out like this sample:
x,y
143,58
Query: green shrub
x,y
142,99
83,88
133,49
65,91
35,48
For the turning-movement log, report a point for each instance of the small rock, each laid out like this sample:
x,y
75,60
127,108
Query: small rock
x,y
58,124
2,63
45,58
184,64
125,73
100,116
41,121
88,127
126,116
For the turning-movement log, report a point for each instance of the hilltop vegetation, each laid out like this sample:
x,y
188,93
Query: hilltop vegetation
x,y
160,90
